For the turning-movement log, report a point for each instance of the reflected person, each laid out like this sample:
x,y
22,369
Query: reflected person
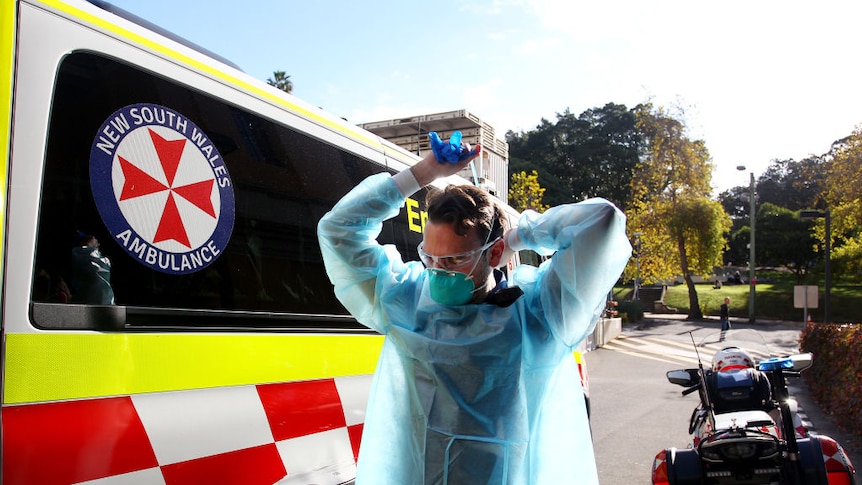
x,y
90,273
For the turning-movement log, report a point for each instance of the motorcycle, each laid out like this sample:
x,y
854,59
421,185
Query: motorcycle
x,y
739,390
745,428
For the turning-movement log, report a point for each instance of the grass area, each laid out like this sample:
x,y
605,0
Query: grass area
x,y
772,300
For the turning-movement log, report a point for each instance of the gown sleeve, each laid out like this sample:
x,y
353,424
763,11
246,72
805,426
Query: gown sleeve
x,y
589,249
353,258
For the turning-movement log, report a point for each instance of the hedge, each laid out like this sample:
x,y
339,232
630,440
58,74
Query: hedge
x,y
630,311
835,378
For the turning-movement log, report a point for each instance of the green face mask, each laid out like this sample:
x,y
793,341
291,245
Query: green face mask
x,y
450,287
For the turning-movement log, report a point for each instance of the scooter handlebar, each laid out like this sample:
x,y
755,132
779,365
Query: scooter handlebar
x,y
691,389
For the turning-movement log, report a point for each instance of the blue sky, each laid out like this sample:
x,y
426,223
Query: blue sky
x,y
759,80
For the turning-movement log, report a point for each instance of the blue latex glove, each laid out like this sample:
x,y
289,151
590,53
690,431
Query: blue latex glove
x,y
451,152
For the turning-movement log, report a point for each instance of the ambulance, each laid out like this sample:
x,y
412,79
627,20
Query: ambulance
x,y
166,316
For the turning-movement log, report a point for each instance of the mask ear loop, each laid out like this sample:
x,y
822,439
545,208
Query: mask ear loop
x,y
476,263
470,274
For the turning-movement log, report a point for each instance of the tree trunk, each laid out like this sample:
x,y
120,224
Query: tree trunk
x,y
694,312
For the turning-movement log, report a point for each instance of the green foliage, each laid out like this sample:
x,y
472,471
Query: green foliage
x,y
644,161
772,300
784,240
682,231
737,253
834,377
841,195
577,157
711,299
843,190
785,187
672,165
847,259
791,184
282,81
632,309
702,224
526,193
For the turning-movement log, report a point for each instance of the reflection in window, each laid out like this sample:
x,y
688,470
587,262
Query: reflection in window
x,y
283,181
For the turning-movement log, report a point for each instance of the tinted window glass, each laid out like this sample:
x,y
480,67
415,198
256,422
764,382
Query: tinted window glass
x,y
283,181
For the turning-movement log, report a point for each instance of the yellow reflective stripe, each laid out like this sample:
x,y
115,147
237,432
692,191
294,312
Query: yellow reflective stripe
x,y
49,367
398,155
579,357
207,68
8,17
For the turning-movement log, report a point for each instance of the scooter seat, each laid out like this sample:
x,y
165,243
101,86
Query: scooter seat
x,y
760,420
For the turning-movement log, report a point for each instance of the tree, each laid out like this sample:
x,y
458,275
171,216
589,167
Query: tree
x,y
683,231
577,157
735,202
737,252
536,150
610,151
842,197
784,240
281,80
525,192
791,184
785,187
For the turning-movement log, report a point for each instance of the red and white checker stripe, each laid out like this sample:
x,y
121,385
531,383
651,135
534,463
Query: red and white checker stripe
x,y
834,458
297,432
659,469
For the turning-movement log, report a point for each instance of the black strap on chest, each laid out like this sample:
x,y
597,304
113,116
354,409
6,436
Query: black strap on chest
x,y
504,296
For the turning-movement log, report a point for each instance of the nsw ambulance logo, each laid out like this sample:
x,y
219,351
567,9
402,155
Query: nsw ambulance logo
x,y
162,188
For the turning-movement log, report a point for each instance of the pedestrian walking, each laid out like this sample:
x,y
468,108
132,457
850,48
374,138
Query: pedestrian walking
x,y
725,317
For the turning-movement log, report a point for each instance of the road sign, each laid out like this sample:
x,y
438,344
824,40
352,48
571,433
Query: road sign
x,y
805,296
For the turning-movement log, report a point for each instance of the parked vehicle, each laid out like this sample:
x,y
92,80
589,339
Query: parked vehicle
x,y
207,345
743,428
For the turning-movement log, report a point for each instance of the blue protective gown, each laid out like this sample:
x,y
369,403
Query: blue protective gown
x,y
478,393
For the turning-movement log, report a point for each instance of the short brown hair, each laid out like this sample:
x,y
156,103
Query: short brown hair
x,y
467,206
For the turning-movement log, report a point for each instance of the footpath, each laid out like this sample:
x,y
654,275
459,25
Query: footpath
x,y
821,422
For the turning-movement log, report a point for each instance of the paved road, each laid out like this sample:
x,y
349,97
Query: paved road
x,y
636,412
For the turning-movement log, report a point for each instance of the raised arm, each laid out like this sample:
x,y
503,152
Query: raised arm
x,y
348,234
590,249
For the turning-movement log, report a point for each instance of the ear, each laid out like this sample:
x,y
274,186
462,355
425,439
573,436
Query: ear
x,y
495,254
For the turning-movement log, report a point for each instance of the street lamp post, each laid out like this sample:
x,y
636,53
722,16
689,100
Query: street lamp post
x,y
814,214
752,279
636,295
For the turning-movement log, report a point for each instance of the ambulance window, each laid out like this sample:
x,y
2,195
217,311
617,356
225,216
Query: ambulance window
x,y
266,271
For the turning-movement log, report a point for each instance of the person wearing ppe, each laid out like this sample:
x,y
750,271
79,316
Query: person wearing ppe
x,y
476,382
91,273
